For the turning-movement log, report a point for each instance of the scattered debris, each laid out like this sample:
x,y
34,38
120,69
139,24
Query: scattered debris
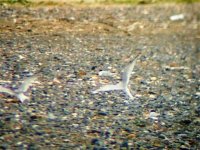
x,y
105,73
177,17
176,68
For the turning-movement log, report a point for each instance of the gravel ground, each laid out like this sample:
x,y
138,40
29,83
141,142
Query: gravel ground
x,y
67,46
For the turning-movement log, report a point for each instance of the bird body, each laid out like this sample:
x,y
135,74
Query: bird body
x,y
122,85
22,89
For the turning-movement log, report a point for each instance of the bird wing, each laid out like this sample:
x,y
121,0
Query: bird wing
x,y
26,84
6,90
127,72
22,97
127,91
110,87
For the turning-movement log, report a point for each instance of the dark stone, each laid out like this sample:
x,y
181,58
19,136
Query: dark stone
x,y
40,133
33,117
42,50
29,30
107,134
1,113
32,146
185,121
29,46
197,111
95,141
143,82
93,67
95,148
128,130
124,144
7,118
1,124
95,131
113,142
102,113
3,146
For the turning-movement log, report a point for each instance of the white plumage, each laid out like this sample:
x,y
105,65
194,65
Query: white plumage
x,y
123,85
20,92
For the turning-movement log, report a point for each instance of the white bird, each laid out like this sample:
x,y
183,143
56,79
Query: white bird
x,y
122,85
22,89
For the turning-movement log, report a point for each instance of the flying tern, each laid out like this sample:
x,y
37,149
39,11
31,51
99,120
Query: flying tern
x,y
21,90
123,84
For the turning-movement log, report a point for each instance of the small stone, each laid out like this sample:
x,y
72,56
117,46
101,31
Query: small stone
x,y
152,96
4,146
95,141
51,116
177,17
128,129
183,147
124,144
153,78
105,73
185,121
197,94
93,67
153,115
102,113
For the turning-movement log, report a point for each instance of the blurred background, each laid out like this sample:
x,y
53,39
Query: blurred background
x,y
100,1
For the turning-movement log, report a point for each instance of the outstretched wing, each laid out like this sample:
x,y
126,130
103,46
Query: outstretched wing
x,y
127,72
127,91
6,90
26,84
109,87
22,97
